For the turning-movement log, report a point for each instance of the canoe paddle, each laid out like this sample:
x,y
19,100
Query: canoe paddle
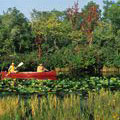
x,y
19,65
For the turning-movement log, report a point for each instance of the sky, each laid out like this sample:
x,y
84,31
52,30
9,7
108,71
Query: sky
x,y
26,6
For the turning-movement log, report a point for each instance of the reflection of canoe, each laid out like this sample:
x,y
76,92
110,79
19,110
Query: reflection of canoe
x,y
28,75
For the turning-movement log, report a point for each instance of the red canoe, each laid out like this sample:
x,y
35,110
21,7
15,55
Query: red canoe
x,y
29,75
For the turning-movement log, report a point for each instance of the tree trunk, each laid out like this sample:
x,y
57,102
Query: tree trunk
x,y
39,51
90,39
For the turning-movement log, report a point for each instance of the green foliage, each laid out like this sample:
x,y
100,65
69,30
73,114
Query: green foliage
x,y
63,84
16,37
107,44
53,31
112,13
60,44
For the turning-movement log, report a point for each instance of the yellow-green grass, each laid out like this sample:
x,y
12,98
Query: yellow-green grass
x,y
102,106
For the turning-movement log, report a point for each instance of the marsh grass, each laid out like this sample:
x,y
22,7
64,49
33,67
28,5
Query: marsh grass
x,y
104,105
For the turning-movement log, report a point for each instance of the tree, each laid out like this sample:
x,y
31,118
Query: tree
x,y
90,16
51,29
106,44
73,15
107,5
18,30
15,35
112,14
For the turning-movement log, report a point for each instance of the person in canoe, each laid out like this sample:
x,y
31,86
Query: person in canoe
x,y
41,68
12,68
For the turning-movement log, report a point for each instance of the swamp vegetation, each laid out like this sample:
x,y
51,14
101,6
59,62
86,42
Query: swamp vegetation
x,y
102,106
87,40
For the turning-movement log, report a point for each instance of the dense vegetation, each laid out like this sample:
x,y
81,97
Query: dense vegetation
x,y
71,40
64,85
102,106
86,40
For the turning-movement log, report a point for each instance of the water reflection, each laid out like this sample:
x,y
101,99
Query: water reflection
x,y
110,74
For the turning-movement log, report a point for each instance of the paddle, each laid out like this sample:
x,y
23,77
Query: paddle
x,y
19,65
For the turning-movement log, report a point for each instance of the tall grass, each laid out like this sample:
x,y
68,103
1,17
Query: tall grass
x,y
102,106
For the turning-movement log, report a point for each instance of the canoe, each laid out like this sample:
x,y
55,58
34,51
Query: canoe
x,y
51,75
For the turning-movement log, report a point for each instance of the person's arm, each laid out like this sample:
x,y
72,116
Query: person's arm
x,y
15,68
45,69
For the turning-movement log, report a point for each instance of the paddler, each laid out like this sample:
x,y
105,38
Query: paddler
x,y
11,68
41,68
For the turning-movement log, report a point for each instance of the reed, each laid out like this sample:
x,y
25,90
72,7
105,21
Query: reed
x,y
98,106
